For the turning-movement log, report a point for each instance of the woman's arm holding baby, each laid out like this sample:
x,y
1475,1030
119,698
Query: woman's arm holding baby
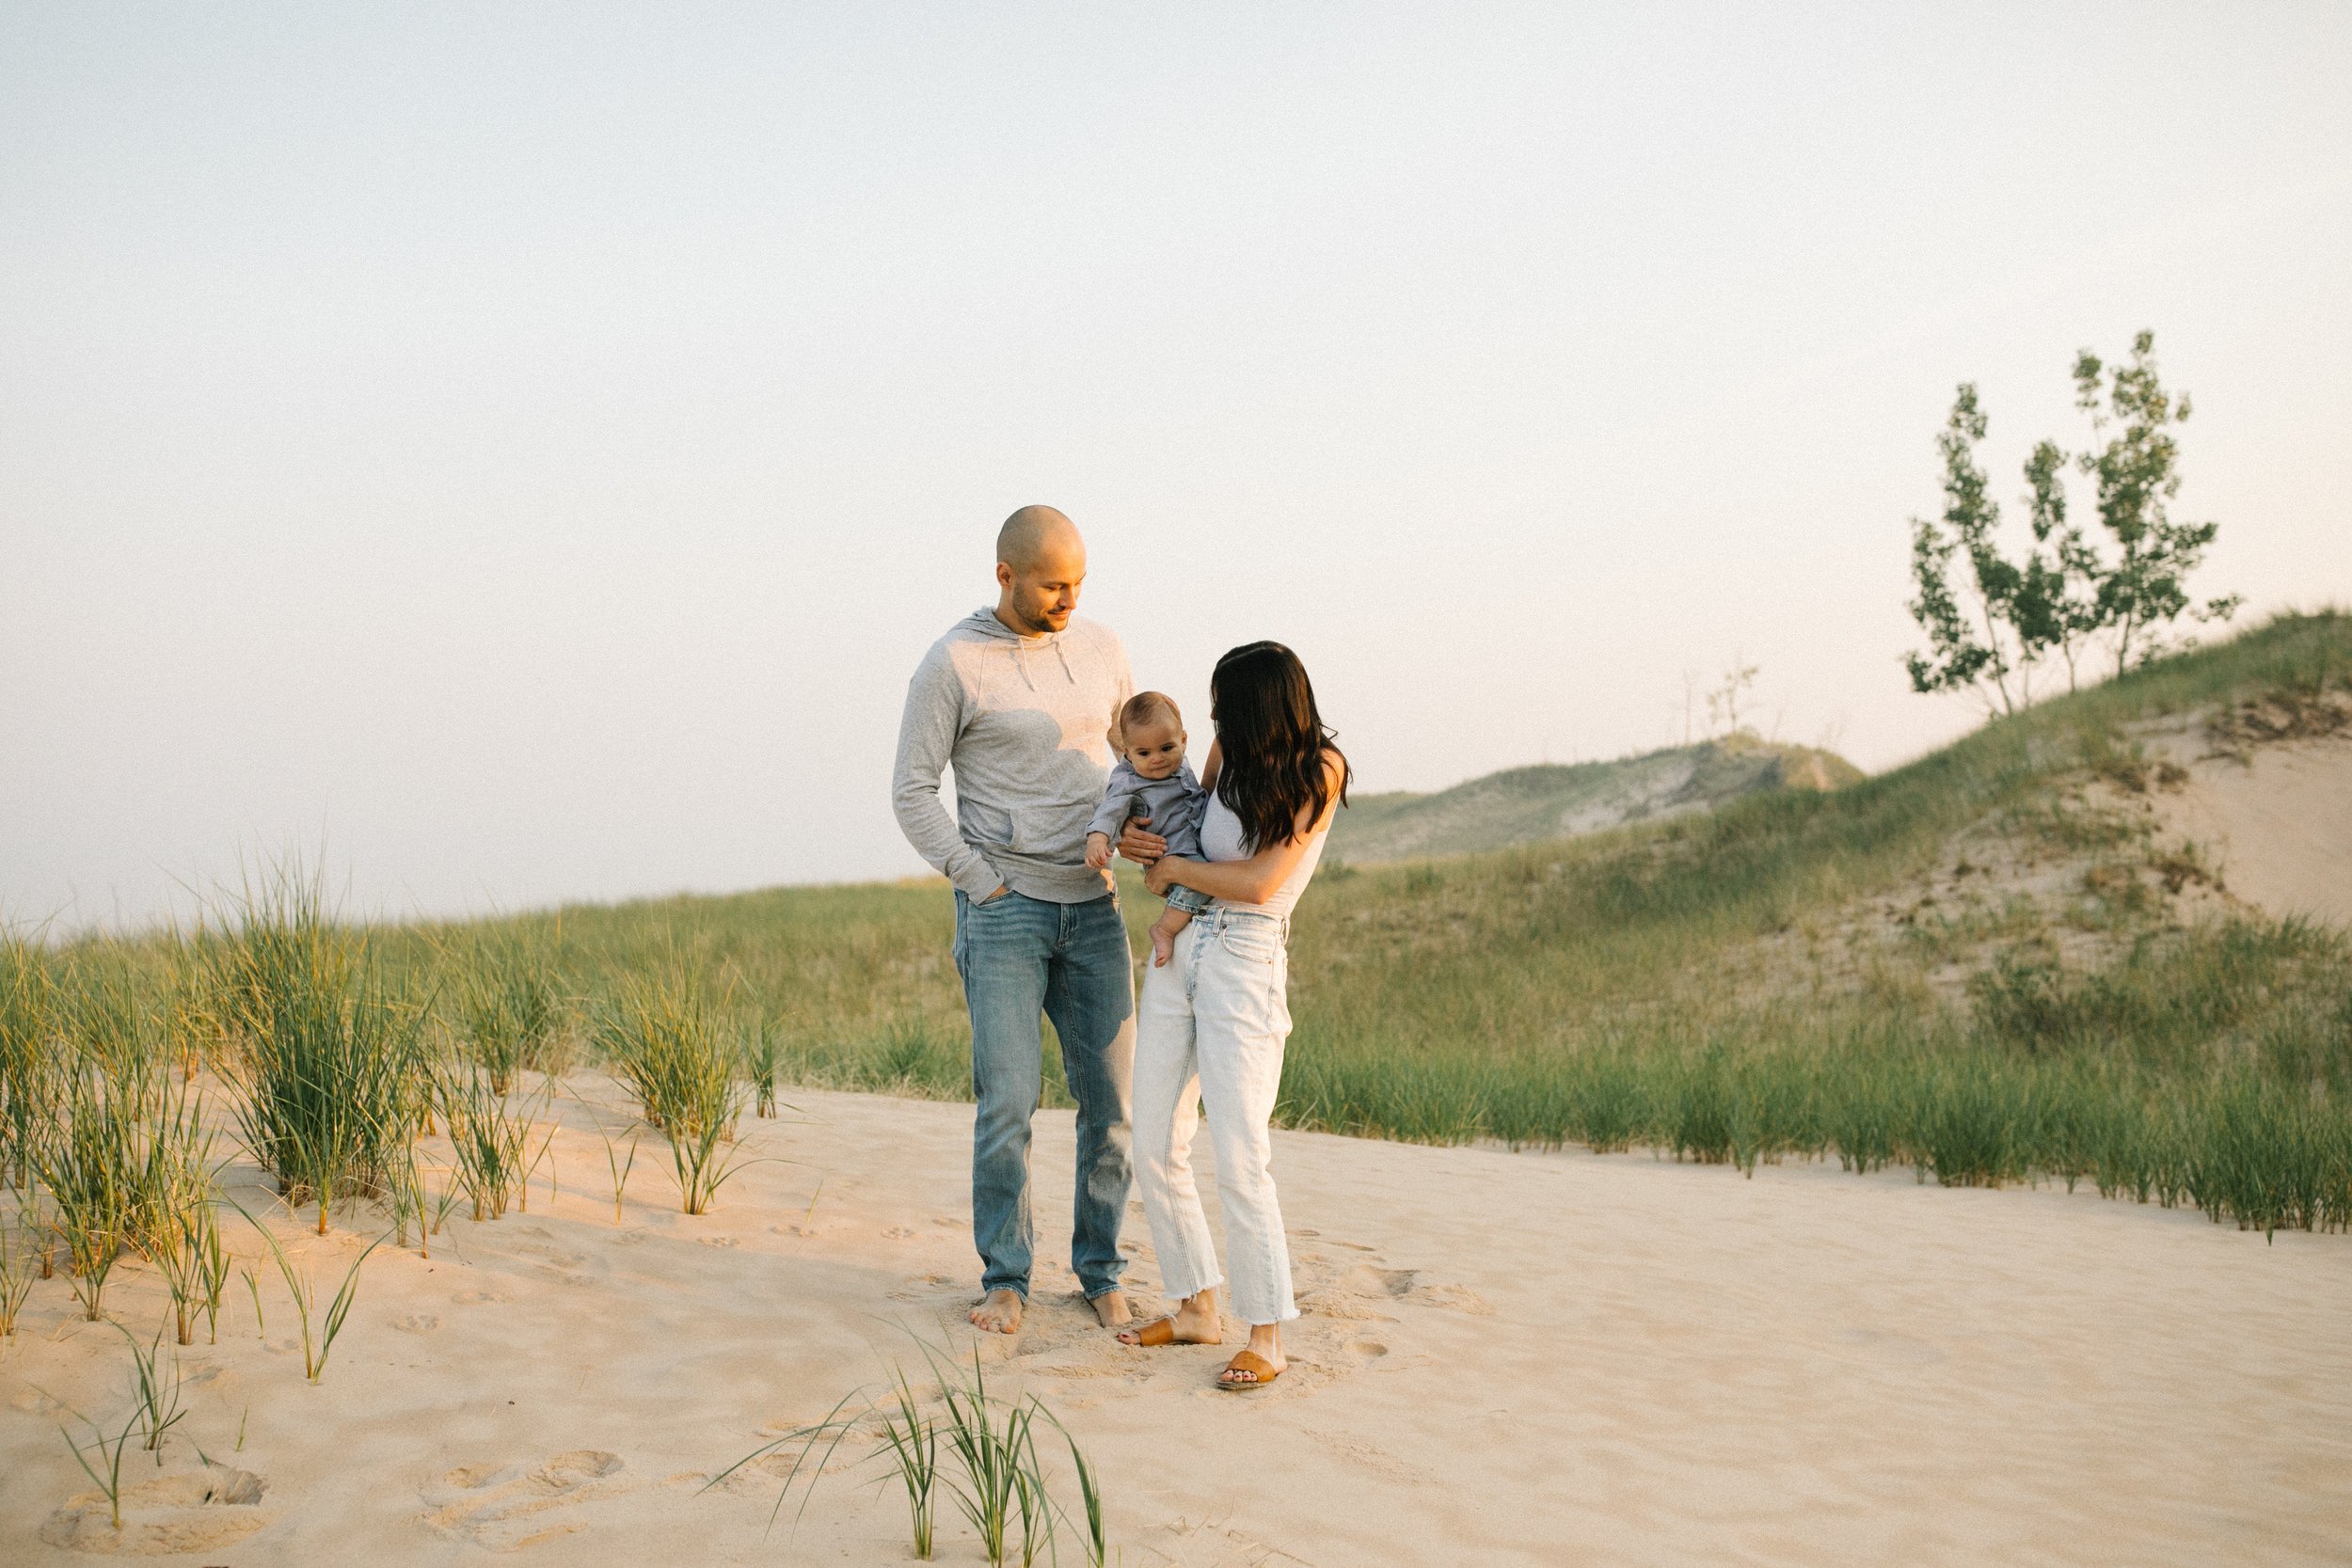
x,y
1255,879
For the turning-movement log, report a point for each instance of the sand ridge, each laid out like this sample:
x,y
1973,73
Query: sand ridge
x,y
2277,820
1503,1358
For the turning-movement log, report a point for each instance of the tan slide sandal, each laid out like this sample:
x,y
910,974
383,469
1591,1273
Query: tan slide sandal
x,y
1262,1373
1160,1331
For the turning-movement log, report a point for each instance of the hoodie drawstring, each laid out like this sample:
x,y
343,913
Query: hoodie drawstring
x,y
994,628
1067,673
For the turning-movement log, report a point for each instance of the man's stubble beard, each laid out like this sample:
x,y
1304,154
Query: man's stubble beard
x,y
1035,625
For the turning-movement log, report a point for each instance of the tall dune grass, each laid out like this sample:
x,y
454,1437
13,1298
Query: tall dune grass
x,y
663,1036
113,1152
325,1049
31,1075
90,1163
508,1007
492,1135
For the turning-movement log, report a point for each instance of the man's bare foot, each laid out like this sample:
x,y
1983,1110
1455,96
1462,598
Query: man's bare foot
x,y
999,1312
1110,1308
1194,1322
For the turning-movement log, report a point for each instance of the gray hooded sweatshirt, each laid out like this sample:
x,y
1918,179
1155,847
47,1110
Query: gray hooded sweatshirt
x,y
1022,722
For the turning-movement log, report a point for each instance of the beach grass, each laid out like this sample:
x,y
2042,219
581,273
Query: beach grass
x,y
999,1480
319,1330
912,1439
666,1038
324,1047
509,1011
491,1133
16,1279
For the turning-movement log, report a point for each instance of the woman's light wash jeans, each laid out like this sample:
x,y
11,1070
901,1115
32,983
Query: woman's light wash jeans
x,y
1211,1028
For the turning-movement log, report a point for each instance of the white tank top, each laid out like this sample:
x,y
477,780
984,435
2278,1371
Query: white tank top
x,y
1222,839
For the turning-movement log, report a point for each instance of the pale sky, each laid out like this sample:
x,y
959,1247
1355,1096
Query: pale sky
x,y
525,449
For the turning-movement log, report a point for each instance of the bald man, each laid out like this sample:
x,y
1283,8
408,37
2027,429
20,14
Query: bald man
x,y
1017,699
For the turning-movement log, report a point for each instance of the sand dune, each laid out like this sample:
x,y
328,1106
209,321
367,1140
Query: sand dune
x,y
1554,800
1507,1358
2279,824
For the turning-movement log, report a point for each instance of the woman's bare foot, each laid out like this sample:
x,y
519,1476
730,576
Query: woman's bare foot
x,y
999,1312
1265,1343
1110,1308
1192,1323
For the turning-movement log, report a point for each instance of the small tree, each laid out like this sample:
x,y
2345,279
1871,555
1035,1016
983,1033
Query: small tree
x,y
1992,641
2137,473
2067,602
2066,594
1723,703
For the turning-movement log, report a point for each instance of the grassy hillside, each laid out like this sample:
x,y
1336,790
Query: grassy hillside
x,y
1525,805
1666,984
1608,989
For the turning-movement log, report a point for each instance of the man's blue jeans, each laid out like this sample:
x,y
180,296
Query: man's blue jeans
x,y
1021,956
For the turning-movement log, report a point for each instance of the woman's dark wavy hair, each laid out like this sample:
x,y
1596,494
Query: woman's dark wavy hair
x,y
1273,739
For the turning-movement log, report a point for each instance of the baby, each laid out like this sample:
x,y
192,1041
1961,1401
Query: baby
x,y
1151,780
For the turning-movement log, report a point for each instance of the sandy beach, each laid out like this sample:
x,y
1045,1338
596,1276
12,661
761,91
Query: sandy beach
x,y
1505,1358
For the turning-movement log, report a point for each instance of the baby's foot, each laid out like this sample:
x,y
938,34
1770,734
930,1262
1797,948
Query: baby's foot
x,y
1163,945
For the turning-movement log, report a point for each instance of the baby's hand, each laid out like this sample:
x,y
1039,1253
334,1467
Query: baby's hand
x,y
1098,851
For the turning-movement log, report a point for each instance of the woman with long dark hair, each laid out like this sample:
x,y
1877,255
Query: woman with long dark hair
x,y
1211,1022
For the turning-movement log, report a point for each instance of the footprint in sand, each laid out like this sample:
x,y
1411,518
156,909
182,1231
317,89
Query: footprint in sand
x,y
934,1290
201,1511
898,1232
1373,1458
1371,1283
1456,1298
1210,1544
547,1258
719,1241
505,1508
415,1322
1341,1306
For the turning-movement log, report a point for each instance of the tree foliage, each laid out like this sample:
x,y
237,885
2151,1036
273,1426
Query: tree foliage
x,y
2138,472
1991,628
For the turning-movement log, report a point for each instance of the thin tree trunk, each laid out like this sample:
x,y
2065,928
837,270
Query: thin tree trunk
x,y
1993,640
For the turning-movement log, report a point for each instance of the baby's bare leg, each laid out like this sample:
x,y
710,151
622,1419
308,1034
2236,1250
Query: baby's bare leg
x,y
1163,934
